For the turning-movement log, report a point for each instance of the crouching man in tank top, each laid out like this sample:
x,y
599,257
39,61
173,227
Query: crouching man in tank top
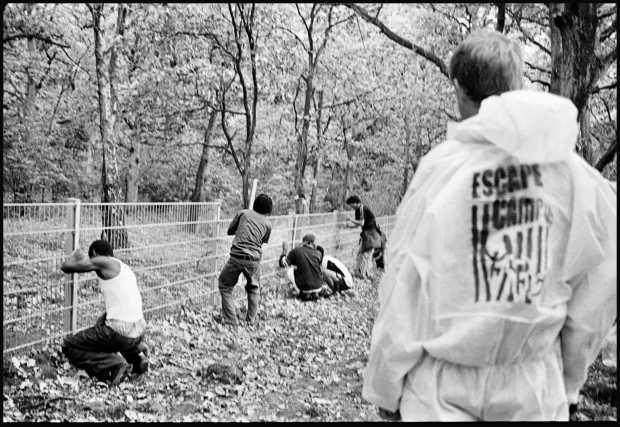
x,y
113,348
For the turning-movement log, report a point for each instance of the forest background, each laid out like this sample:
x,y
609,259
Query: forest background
x,y
191,102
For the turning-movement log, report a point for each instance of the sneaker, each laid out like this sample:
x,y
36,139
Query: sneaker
x,y
142,365
120,372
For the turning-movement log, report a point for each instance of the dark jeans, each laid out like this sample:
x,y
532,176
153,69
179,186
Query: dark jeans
x,y
314,296
96,350
227,281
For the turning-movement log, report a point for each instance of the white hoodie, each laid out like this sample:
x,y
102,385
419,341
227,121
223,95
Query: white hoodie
x,y
504,248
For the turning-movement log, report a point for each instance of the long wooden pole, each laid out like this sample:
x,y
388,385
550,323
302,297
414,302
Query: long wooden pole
x,y
253,193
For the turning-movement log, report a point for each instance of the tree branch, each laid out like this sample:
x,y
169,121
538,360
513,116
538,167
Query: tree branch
x,y
530,38
608,156
207,35
542,82
605,87
536,67
295,105
238,59
453,18
294,35
249,27
430,56
229,138
349,101
302,17
608,59
608,32
501,16
605,14
325,35
33,36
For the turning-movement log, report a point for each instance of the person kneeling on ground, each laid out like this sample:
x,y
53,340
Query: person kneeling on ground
x,y
120,329
312,280
345,280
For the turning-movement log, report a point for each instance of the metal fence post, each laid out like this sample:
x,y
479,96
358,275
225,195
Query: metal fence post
x,y
336,233
71,286
294,234
216,259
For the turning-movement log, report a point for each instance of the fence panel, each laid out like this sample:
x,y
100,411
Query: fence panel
x,y
175,249
171,249
34,243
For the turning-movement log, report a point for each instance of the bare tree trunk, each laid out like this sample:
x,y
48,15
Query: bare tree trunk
x,y
133,170
29,101
198,195
501,17
585,138
406,157
245,182
314,53
573,36
302,139
31,91
112,216
608,156
319,154
347,172
90,163
575,66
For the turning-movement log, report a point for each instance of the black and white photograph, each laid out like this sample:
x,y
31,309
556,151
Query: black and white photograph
x,y
309,212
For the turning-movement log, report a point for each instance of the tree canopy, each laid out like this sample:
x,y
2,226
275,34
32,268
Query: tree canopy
x,y
178,102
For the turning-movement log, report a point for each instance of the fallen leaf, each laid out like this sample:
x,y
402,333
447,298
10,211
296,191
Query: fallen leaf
x,y
25,384
132,415
95,405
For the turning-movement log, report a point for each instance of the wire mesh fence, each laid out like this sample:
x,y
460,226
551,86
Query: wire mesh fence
x,y
175,249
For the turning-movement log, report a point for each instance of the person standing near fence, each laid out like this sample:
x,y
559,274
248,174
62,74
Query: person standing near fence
x,y
501,282
370,237
120,329
251,229
304,207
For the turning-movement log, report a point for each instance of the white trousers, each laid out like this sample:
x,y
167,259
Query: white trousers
x,y
533,390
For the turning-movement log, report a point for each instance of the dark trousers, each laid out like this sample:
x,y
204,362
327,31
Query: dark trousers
x,y
314,296
96,350
227,281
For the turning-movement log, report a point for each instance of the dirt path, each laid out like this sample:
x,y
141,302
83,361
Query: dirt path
x,y
302,362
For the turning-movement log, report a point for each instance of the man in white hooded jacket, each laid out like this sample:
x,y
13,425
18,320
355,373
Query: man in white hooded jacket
x,y
501,277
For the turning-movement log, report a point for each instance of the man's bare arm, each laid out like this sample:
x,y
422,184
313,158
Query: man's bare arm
x,y
80,262
77,262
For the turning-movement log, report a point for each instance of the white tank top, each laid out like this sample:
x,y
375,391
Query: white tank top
x,y
122,296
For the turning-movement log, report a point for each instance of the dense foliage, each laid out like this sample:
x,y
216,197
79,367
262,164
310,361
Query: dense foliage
x,y
203,98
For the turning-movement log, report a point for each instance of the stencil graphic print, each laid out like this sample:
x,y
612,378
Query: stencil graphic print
x,y
510,235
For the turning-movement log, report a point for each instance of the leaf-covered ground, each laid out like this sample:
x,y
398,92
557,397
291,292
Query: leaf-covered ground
x,y
302,362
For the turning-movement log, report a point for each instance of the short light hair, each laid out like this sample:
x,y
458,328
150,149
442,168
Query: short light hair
x,y
487,63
